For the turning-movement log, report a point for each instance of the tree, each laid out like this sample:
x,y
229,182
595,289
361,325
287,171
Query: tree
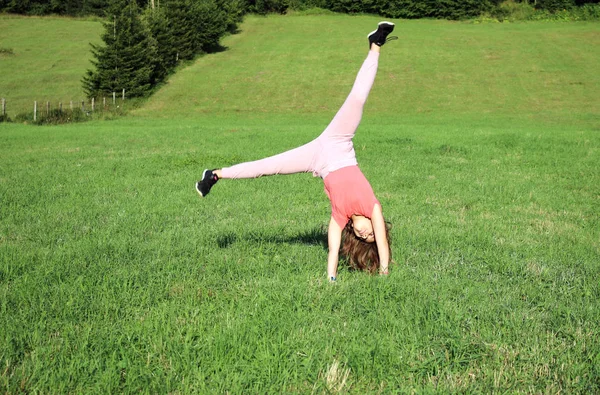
x,y
180,21
166,55
126,61
211,23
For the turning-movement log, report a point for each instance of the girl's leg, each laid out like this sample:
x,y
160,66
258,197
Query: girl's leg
x,y
297,160
310,157
338,149
346,121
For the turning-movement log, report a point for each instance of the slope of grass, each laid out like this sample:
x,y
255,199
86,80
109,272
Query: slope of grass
x,y
116,277
437,68
45,60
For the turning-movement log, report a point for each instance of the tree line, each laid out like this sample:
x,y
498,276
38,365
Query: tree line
x,y
449,9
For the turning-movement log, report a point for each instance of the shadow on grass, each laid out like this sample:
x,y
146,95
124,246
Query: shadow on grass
x,y
214,48
315,236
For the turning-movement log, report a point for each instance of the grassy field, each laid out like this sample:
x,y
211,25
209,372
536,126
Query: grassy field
x,y
44,59
481,141
436,69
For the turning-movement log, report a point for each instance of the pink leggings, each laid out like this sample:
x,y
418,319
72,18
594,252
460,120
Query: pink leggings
x,y
332,150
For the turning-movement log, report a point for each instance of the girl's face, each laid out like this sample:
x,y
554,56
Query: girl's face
x,y
363,228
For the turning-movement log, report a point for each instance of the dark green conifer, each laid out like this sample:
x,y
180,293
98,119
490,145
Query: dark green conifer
x,y
166,55
181,25
126,60
210,24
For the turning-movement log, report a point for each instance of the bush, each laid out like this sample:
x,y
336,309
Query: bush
x,y
61,116
304,5
264,7
513,11
57,117
410,9
522,11
24,117
554,5
589,12
452,9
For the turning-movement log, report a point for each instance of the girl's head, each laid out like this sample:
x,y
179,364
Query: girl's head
x,y
358,244
362,228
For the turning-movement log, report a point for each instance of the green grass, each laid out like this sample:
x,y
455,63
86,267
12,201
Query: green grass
x,y
45,59
437,68
116,277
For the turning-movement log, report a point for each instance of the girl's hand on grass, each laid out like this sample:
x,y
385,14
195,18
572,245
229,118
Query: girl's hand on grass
x,y
384,272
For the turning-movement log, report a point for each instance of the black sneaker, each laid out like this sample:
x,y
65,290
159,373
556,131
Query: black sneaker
x,y
208,180
380,36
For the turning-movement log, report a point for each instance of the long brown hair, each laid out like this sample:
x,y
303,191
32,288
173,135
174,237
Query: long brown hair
x,y
360,254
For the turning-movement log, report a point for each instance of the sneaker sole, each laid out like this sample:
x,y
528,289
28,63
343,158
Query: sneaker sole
x,y
198,190
379,24
198,183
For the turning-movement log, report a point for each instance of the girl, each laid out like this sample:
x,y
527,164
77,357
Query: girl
x,y
356,215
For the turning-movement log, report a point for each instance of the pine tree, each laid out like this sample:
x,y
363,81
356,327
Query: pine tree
x,y
166,57
126,60
210,23
181,23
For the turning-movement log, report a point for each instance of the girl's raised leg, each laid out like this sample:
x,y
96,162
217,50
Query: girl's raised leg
x,y
309,157
348,117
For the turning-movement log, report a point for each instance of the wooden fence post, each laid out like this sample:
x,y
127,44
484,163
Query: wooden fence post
x,y
71,105
35,111
114,98
123,94
82,105
104,102
93,106
3,106
47,108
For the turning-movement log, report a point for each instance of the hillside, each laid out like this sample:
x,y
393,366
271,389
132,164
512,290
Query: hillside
x,y
44,59
291,64
305,64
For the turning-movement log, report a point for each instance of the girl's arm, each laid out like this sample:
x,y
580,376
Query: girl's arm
x,y
334,238
381,239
